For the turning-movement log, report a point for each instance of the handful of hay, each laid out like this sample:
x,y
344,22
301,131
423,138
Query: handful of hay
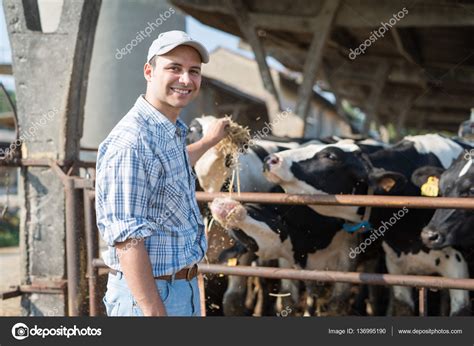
x,y
236,140
233,144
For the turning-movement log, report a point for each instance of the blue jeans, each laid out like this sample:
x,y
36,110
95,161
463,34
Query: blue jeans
x,y
180,297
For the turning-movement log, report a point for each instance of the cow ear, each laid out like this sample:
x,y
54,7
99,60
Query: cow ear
x,y
387,181
421,175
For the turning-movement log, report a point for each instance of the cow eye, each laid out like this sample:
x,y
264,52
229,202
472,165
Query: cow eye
x,y
331,156
192,129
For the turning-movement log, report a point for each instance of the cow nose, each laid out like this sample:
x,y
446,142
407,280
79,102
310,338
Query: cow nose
x,y
269,161
431,237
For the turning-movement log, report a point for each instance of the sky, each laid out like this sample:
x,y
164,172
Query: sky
x,y
5,52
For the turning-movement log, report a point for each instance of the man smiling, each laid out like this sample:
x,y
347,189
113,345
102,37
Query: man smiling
x,y
146,206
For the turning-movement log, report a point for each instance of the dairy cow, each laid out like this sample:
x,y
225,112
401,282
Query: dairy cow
x,y
450,227
304,239
213,171
344,168
214,167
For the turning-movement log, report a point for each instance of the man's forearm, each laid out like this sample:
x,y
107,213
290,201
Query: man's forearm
x,y
196,150
136,267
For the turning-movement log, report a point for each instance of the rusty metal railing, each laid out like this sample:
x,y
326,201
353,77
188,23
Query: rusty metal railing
x,y
344,200
74,183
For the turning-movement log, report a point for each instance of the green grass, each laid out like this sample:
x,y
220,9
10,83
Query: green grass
x,y
10,230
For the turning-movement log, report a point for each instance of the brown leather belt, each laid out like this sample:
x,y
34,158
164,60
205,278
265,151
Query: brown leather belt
x,y
184,274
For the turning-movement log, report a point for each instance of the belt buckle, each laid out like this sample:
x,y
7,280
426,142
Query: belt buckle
x,y
190,272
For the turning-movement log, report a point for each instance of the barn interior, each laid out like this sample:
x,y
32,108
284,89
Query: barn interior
x,y
418,76
394,67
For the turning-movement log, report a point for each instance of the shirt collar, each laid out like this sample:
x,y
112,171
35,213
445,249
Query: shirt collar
x,y
158,118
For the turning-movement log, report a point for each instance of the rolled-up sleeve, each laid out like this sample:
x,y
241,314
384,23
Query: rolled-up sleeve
x,y
122,197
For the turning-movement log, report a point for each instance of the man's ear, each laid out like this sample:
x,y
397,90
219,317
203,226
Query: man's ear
x,y
421,175
385,182
147,71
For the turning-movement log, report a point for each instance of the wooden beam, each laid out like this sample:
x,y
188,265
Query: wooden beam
x,y
248,28
423,13
323,23
360,70
360,14
375,96
445,117
437,99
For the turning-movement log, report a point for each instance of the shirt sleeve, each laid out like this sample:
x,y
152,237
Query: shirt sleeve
x,y
122,197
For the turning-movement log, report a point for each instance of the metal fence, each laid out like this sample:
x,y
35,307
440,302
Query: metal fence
x,y
75,217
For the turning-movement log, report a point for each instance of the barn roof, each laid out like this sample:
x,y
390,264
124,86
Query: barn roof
x,y
420,74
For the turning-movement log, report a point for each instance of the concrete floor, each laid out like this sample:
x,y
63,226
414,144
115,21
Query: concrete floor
x,y
9,275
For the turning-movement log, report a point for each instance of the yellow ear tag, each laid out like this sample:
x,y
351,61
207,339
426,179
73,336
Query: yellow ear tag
x,y
232,262
430,188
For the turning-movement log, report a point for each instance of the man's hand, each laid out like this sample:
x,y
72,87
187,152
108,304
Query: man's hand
x,y
216,133
136,268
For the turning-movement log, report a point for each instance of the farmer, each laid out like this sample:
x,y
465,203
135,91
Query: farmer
x,y
146,205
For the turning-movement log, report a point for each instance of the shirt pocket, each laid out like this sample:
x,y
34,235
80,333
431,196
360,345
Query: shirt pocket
x,y
177,212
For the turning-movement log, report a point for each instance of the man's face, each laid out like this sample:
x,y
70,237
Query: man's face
x,y
176,78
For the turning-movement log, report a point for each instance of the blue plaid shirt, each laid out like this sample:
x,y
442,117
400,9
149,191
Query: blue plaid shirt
x,y
145,190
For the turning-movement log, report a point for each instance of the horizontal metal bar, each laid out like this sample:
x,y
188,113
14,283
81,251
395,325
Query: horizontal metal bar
x,y
12,293
39,289
46,287
89,149
16,162
331,276
341,200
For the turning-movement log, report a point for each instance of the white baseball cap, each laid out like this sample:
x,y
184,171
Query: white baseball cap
x,y
169,40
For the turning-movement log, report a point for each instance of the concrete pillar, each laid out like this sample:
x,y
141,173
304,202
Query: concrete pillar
x,y
124,32
51,79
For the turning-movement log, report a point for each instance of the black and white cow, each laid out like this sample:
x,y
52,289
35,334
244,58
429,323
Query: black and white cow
x,y
303,238
213,170
342,168
450,227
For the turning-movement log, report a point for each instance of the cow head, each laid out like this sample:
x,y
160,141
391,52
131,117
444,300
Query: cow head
x,y
340,168
228,212
196,128
449,227
214,167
